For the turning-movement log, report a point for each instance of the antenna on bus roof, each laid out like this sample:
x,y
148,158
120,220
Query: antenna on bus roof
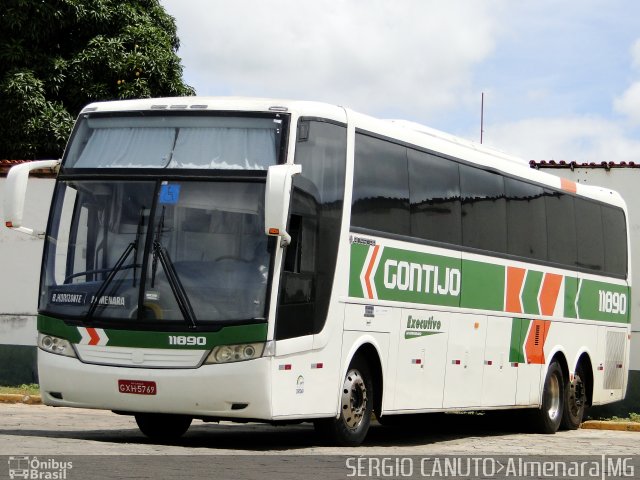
x,y
481,116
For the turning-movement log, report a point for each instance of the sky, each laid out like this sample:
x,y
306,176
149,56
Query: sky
x,y
561,79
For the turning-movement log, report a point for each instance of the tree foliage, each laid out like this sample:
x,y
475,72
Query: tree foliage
x,y
58,55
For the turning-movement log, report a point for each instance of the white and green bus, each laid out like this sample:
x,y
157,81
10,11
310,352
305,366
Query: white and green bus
x,y
279,261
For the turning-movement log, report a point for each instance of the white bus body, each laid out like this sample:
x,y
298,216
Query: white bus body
x,y
377,290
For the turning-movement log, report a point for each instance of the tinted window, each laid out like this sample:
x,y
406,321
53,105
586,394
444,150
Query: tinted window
x,y
615,240
316,213
527,225
434,185
484,213
408,192
589,231
380,186
561,228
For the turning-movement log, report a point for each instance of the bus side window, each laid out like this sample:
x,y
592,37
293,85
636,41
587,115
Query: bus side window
x,y
293,252
380,186
300,254
561,228
297,294
434,194
484,209
299,268
589,225
314,225
615,236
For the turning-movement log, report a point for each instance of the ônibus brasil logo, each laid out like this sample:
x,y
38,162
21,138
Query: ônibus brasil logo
x,y
37,468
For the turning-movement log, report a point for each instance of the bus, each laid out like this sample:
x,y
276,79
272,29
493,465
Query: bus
x,y
286,261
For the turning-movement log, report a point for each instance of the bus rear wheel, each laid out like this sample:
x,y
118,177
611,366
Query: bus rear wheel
x,y
547,419
575,400
356,405
162,426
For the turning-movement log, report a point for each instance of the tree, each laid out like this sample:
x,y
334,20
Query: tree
x,y
58,55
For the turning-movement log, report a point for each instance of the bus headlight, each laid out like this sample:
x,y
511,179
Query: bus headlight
x,y
56,345
235,353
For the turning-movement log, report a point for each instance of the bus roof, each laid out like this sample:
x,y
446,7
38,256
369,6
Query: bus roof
x,y
404,131
239,104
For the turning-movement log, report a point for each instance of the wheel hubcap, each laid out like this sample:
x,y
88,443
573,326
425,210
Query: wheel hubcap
x,y
354,399
553,409
577,396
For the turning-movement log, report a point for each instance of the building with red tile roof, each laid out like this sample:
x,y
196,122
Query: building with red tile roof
x,y
5,165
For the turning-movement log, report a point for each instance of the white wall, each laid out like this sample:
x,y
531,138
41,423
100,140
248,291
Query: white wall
x,y
626,181
20,260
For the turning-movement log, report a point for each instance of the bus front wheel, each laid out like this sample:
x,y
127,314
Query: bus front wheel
x,y
162,426
356,404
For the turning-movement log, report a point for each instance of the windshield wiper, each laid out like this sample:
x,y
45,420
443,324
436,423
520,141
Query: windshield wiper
x,y
117,267
154,265
180,294
138,234
176,285
112,273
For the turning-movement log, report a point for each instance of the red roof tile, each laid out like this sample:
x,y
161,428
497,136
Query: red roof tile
x,y
5,165
573,164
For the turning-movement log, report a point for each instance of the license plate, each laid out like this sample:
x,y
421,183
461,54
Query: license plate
x,y
137,387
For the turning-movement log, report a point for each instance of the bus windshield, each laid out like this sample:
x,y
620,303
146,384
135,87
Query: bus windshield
x,y
175,142
156,251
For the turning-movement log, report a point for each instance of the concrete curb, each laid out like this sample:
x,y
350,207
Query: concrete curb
x,y
19,398
606,425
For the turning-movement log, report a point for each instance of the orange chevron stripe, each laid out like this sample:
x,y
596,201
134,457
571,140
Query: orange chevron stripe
x,y
95,338
515,278
534,345
568,185
367,275
549,293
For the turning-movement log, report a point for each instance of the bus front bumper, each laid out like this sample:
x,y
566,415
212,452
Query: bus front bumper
x,y
231,390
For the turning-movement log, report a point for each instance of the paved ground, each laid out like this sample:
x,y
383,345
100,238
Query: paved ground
x,y
261,451
38,430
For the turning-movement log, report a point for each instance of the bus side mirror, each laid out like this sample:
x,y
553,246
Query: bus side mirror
x,y
277,197
16,190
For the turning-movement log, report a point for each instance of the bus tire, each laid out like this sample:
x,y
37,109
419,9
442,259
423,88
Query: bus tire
x,y
162,426
575,400
548,417
356,405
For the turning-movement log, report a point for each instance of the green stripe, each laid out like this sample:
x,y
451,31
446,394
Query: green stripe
x,y
414,283
57,328
483,286
519,329
151,339
530,292
591,307
409,334
358,257
570,292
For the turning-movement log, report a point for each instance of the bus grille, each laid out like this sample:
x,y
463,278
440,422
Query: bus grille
x,y
614,360
140,357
